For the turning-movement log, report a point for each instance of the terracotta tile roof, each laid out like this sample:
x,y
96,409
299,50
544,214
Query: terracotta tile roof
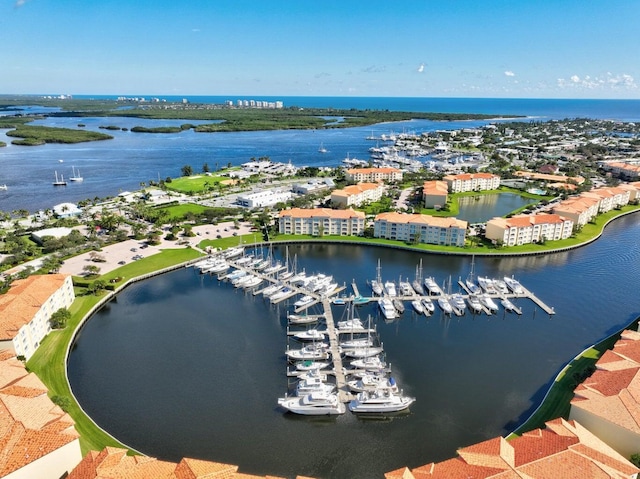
x,y
31,426
435,188
564,449
114,463
321,213
610,383
366,171
356,189
24,299
393,217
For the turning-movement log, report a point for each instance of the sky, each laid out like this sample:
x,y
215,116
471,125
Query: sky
x,y
410,48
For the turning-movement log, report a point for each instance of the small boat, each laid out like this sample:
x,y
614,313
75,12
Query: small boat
x,y
488,302
313,384
75,175
322,149
508,305
310,365
270,290
376,287
387,308
285,275
3,187
417,306
356,343
417,287
304,301
514,285
217,267
280,294
380,401
303,318
390,288
472,287
405,288
474,303
252,282
366,352
233,252
277,266
310,335
238,273
351,326
314,404
399,305
60,181
360,300
372,382
429,307
445,305
457,301
311,351
487,284
500,286
369,363
432,286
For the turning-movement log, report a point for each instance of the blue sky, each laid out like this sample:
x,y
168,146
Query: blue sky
x,y
424,48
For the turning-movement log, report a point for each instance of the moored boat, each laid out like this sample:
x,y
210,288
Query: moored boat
x,y
314,404
488,302
474,303
445,305
417,306
380,401
372,382
387,308
514,285
310,335
429,307
432,286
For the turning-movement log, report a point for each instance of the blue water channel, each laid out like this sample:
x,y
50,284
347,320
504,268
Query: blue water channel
x,y
185,365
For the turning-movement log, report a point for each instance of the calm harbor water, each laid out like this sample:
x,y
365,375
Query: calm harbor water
x,y
183,365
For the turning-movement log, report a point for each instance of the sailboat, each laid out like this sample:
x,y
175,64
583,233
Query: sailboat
x,y
470,281
59,182
75,175
417,283
322,149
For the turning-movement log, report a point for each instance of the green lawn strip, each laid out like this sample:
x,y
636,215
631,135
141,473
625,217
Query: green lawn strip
x,y
48,362
557,401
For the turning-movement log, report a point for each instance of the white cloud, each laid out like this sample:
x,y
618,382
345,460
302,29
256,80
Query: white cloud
x,y
421,68
19,3
609,82
509,73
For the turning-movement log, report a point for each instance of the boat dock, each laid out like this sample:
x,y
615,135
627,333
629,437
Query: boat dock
x,y
334,344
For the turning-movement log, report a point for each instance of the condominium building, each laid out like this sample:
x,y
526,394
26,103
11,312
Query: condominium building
x,y
25,311
578,209
627,171
609,197
321,221
525,229
435,193
372,175
355,195
472,182
420,228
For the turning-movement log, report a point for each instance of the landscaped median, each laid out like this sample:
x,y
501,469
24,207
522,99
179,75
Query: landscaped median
x,y
49,361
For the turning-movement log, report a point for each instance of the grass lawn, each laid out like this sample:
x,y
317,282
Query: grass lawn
x,y
48,363
197,183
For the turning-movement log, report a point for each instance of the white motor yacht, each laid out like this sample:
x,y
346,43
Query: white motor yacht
x,y
314,404
380,401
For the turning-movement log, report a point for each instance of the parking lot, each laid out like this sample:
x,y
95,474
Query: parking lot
x,y
132,250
